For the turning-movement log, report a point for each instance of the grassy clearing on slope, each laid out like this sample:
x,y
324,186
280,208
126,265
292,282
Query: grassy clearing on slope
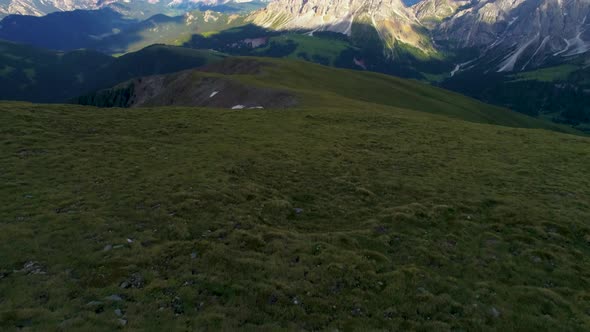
x,y
311,48
358,217
551,74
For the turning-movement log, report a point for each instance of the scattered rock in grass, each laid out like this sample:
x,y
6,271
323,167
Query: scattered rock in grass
x,y
129,240
177,306
389,314
114,297
194,255
94,303
119,312
122,321
108,247
381,230
32,267
298,210
97,306
296,301
135,281
189,283
273,299
536,259
495,312
356,311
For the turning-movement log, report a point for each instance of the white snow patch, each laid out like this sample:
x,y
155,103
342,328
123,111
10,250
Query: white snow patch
x,y
213,94
238,107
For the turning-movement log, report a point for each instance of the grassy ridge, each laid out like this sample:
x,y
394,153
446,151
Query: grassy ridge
x,y
321,85
550,74
346,215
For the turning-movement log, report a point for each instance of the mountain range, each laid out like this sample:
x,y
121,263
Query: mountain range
x,y
131,8
498,35
507,35
393,21
517,35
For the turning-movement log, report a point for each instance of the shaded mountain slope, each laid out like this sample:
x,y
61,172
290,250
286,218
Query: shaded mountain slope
x,y
108,31
64,31
32,74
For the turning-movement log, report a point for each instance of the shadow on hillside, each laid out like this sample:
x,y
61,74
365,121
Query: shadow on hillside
x,y
362,51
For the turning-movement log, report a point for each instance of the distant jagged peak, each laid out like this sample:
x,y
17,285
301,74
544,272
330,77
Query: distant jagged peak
x,y
520,34
432,11
44,7
392,19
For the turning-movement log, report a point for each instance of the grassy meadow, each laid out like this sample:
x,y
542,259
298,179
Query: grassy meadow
x,y
339,214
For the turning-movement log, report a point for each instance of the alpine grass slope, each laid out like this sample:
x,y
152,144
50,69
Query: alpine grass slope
x,y
360,208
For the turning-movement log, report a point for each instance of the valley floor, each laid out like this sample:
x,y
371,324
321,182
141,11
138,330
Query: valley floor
x,y
373,218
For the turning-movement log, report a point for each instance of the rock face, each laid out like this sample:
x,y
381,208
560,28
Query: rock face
x,y
510,35
518,34
437,10
393,21
506,35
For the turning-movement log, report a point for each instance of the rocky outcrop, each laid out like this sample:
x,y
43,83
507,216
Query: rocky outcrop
x,y
432,11
519,34
393,21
